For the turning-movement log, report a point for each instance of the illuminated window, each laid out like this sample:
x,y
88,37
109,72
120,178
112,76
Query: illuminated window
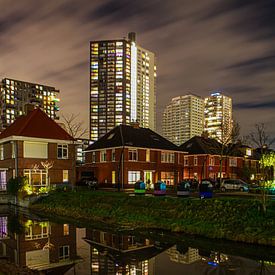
x,y
148,155
133,177
113,177
65,175
1,152
66,230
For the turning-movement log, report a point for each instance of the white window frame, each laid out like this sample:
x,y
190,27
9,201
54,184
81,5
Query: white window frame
x,y
2,156
103,156
186,161
113,155
233,162
211,161
44,232
195,161
133,176
134,154
64,256
167,157
64,151
93,157
41,172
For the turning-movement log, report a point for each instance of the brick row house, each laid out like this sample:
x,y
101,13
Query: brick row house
x,y
130,153
35,146
203,160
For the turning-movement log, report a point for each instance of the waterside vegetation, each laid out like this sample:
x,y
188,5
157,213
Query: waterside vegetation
x,y
223,218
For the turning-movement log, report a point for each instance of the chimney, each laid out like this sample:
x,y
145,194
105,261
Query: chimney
x,y
205,135
28,108
134,124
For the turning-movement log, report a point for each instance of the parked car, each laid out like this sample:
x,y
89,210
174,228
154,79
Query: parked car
x,y
234,185
261,187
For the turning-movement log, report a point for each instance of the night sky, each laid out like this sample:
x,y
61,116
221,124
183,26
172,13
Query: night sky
x,y
201,46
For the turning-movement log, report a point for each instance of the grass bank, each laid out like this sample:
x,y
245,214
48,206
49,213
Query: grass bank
x,y
226,218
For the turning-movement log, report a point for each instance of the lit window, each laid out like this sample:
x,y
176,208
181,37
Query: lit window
x,y
1,152
65,175
148,155
66,231
113,177
133,177
62,151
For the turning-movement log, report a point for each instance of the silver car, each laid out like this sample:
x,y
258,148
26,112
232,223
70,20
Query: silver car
x,y
235,185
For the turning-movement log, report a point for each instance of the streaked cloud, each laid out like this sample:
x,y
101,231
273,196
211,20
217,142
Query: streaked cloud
x,y
200,45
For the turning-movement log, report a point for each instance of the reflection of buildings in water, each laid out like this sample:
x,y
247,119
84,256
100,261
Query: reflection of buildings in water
x,y
42,246
121,254
84,252
187,256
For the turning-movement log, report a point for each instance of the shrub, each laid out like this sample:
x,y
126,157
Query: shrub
x,y
16,185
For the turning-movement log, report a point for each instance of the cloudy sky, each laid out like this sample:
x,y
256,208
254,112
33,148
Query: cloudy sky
x,y
201,46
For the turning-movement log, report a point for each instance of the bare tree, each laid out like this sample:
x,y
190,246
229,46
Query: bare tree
x,y
77,130
261,139
74,127
228,140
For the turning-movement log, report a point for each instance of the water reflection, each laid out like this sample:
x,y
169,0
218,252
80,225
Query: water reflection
x,y
30,244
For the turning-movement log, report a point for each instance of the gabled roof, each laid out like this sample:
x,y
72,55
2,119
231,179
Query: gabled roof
x,y
124,135
201,145
36,124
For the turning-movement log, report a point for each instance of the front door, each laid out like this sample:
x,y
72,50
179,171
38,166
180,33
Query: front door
x,y
148,178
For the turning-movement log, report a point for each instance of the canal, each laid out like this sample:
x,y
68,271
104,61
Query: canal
x,y
34,244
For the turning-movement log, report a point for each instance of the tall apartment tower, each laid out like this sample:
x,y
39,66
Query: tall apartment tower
x,y
17,94
218,116
183,118
122,85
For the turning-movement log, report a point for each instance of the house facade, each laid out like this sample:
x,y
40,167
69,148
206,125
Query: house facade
x,y
204,155
129,153
36,147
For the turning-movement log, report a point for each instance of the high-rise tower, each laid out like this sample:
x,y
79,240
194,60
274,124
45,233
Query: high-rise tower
x,y
183,118
16,94
122,85
218,116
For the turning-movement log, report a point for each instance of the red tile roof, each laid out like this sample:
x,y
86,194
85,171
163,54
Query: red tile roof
x,y
38,125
